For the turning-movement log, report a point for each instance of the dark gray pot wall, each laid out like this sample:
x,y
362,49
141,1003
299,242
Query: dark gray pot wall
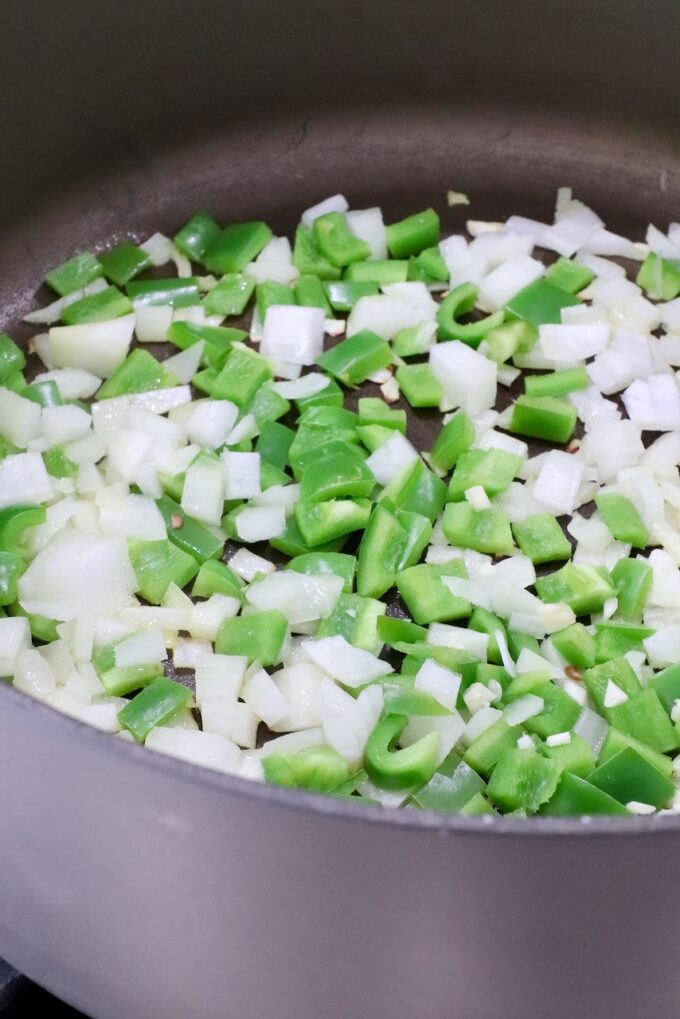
x,y
135,886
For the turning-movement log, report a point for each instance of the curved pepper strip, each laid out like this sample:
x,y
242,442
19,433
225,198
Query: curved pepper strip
x,y
461,300
399,769
13,522
11,568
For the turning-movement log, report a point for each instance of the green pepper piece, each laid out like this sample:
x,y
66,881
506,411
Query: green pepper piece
x,y
615,741
659,277
74,274
576,645
510,338
453,440
235,246
575,756
11,568
58,464
413,340
187,533
356,619
412,235
484,752
541,538
492,469
196,236
450,658
380,553
217,578
15,519
431,262
180,293
374,436
482,530
403,699
620,672
354,359
342,422
381,271
540,303
337,564
330,396
615,639
154,706
461,300
335,476
99,307
633,581
336,241
451,788
12,358
523,779
417,490
230,296
140,372
307,256
622,519
242,374
575,797
393,630
267,405
518,641
123,262
568,275
374,411
543,417
399,769
218,340
667,685
271,293
320,522
121,681
45,394
628,776
559,714
259,636
42,629
584,588
274,442
291,542
157,564
558,383
419,385
477,805
643,717
351,786
310,293
427,597
418,531
320,769
484,621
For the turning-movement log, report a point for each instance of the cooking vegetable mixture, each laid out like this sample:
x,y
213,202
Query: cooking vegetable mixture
x,y
488,624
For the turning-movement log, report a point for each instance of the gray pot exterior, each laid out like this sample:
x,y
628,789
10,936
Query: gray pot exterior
x,y
137,886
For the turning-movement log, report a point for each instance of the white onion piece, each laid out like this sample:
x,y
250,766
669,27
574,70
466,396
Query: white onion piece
x,y
203,748
661,244
98,347
508,279
654,403
449,729
572,342
557,484
242,475
336,203
525,707
72,383
63,424
592,728
52,312
306,385
471,591
440,683
247,564
23,478
15,639
368,226
400,306
350,665
19,418
300,685
260,523
146,648
130,516
293,334
264,698
299,597
390,458
186,363
91,571
204,491
347,723
663,647
152,322
467,378
444,635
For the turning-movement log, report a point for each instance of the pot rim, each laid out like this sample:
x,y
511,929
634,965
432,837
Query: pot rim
x,y
345,809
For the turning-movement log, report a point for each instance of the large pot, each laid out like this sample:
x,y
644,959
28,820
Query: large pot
x,y
140,887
